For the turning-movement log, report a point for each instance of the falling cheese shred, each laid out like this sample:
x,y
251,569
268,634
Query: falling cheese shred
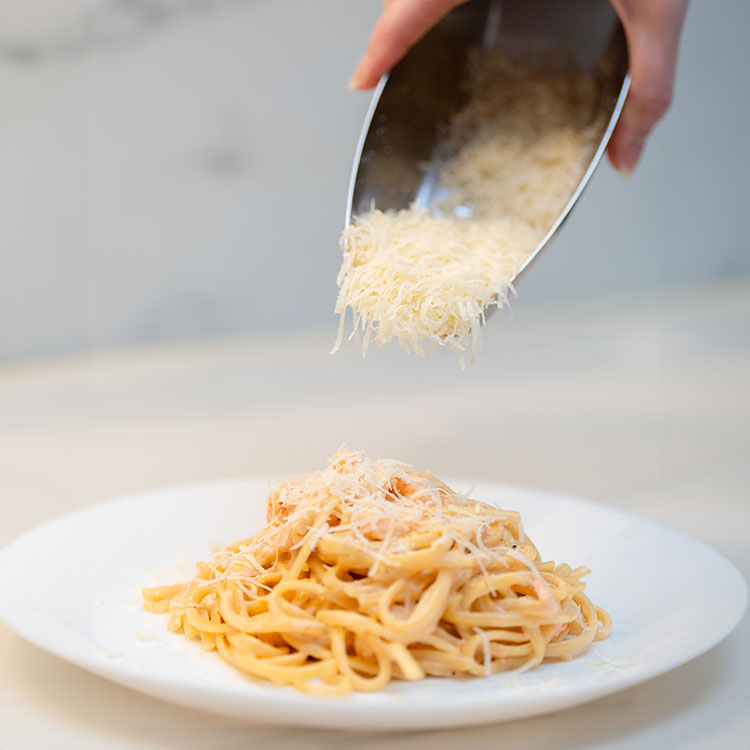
x,y
522,144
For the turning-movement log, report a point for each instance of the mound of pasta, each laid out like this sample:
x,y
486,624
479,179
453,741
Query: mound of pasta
x,y
369,571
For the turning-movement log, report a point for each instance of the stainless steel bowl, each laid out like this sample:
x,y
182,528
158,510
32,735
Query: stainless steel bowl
x,y
405,133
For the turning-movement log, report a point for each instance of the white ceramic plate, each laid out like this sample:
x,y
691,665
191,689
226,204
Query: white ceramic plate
x,y
71,587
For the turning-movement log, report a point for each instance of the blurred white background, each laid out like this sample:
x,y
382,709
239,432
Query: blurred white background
x,y
175,169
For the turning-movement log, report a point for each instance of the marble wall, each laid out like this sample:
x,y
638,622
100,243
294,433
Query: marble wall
x,y
174,169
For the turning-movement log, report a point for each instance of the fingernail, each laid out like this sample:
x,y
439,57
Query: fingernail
x,y
355,82
630,157
625,171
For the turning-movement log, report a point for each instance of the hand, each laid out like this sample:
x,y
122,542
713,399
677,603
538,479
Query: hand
x,y
652,28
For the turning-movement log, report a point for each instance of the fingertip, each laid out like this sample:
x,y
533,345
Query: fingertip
x,y
365,75
631,155
612,155
625,147
613,152
362,79
622,166
361,84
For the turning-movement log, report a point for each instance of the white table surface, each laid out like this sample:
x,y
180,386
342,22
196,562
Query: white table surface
x,y
644,406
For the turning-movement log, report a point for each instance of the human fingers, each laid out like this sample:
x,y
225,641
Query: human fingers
x,y
401,24
653,34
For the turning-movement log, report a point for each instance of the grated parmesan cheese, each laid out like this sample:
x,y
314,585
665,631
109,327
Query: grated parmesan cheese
x,y
523,143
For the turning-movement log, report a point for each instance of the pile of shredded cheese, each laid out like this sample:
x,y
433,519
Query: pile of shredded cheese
x,y
382,503
524,140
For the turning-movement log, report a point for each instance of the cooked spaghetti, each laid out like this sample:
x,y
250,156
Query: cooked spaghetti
x,y
369,571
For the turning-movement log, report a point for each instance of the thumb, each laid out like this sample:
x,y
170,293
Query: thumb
x,y
653,34
401,25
